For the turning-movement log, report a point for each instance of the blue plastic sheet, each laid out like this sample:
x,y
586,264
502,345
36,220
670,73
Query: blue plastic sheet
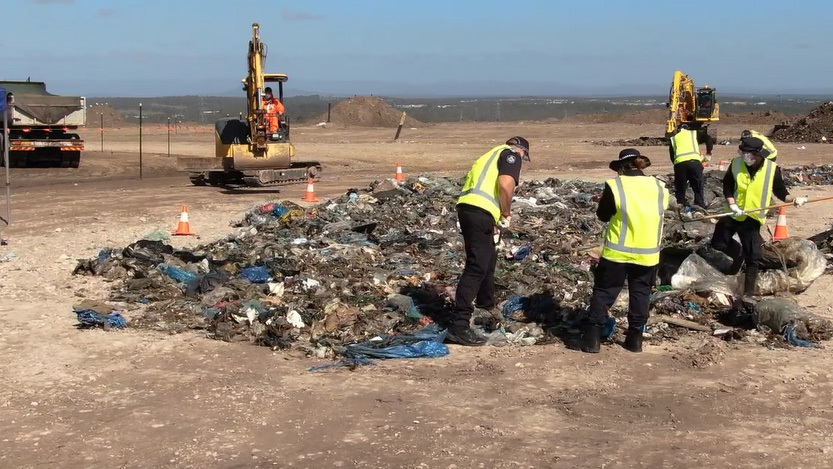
x,y
257,274
789,336
89,318
279,210
424,343
182,276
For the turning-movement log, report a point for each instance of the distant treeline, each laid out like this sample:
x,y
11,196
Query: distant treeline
x,y
207,109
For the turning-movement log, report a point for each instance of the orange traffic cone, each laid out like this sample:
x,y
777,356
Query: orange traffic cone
x,y
310,195
399,176
184,227
781,226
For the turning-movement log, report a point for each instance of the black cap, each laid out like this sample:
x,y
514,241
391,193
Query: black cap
x,y
520,142
751,145
268,89
624,155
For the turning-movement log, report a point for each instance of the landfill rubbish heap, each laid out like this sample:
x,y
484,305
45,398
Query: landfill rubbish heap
x,y
809,129
384,260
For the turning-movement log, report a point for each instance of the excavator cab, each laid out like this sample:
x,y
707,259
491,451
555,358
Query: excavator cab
x,y
705,105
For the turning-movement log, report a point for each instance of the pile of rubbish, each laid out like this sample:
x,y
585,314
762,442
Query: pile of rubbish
x,y
633,142
810,175
357,272
809,129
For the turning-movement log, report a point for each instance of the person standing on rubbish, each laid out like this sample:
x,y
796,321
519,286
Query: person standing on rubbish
x,y
768,145
688,167
748,186
633,205
483,207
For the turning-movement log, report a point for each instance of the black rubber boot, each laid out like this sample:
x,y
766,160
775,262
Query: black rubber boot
x,y
750,278
633,340
591,338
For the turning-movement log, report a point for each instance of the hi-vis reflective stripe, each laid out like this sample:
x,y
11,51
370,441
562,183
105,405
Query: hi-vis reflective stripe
x,y
71,148
20,148
477,189
694,145
768,172
623,228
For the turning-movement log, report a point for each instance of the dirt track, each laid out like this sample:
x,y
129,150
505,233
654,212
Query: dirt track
x,y
137,399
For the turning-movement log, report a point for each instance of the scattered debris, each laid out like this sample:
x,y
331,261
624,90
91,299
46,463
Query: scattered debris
x,y
377,263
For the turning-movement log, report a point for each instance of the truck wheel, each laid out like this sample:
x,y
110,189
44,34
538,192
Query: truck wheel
x,y
66,160
75,162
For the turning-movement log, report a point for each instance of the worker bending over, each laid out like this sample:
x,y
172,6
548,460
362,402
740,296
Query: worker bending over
x,y
748,186
768,145
483,206
274,110
633,204
688,167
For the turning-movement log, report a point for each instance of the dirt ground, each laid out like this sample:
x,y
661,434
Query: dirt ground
x,y
78,399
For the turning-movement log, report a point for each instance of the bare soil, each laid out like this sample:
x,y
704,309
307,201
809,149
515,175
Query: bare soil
x,y
137,399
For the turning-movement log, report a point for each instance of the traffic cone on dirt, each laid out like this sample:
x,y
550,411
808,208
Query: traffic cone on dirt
x,y
399,175
184,226
781,226
310,195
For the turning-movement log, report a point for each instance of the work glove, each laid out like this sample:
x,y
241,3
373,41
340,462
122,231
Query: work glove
x,y
504,222
799,201
735,209
496,235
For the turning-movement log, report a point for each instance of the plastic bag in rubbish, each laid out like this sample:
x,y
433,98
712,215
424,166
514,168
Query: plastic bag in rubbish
x,y
778,314
802,263
90,318
697,274
424,343
256,274
182,276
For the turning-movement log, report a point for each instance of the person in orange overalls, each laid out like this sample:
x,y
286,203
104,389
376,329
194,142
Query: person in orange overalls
x,y
274,109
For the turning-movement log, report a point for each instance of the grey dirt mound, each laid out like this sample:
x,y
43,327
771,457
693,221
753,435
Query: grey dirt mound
x,y
811,128
367,111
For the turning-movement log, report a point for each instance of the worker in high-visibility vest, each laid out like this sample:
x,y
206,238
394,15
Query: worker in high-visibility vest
x,y
482,209
748,186
274,110
768,145
633,205
688,167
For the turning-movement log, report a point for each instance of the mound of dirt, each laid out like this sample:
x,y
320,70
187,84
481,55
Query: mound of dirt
x,y
366,111
810,129
112,117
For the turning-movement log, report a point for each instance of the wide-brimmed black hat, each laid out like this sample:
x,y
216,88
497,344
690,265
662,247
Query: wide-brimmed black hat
x,y
521,143
624,155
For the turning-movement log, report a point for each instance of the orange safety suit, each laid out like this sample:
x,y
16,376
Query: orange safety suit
x,y
274,109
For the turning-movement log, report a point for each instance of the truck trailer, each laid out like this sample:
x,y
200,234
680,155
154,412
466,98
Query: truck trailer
x,y
43,126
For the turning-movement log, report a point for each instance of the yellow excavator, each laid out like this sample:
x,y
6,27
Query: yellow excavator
x,y
695,107
246,152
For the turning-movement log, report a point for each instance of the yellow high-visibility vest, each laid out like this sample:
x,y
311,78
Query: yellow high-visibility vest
x,y
768,145
685,146
481,186
753,193
634,234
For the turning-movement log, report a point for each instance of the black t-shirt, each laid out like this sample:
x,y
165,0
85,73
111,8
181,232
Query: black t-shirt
x,y
509,164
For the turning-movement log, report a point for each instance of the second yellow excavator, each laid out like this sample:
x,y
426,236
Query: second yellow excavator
x,y
696,107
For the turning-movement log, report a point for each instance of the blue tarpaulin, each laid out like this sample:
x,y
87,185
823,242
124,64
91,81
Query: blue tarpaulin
x,y
2,99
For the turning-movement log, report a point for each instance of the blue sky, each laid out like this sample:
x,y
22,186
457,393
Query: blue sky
x,y
155,47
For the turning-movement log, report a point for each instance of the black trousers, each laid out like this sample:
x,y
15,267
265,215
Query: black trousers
x,y
609,279
477,282
689,172
749,248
